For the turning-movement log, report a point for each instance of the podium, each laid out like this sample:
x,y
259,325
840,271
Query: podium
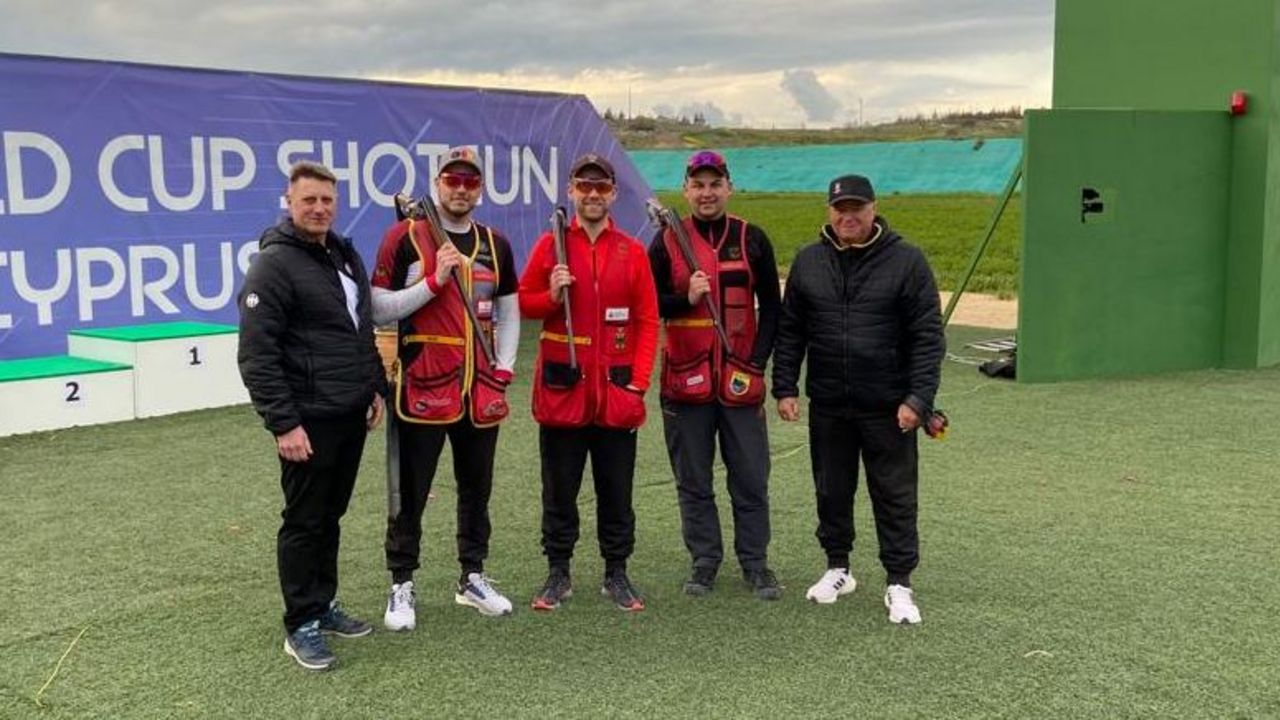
x,y
46,393
177,367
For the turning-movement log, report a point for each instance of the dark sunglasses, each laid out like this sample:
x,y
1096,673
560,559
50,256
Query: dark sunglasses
x,y
706,158
604,187
469,182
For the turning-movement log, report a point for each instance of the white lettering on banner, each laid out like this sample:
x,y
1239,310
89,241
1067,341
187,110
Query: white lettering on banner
x,y
191,279
140,288
349,173
19,203
548,179
371,184
155,151
285,159
219,181
145,291
106,172
432,152
88,292
6,320
42,299
491,178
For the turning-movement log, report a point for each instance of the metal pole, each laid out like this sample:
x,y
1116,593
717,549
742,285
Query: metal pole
x,y
986,240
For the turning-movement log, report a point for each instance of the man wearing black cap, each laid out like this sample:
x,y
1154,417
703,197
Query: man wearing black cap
x,y
709,389
861,303
589,401
445,387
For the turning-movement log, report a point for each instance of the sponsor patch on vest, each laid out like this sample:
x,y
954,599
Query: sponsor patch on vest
x,y
694,380
484,308
739,383
617,314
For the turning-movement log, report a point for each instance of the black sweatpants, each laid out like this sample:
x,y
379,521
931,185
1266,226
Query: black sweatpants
x,y
316,493
613,465
419,454
838,437
691,432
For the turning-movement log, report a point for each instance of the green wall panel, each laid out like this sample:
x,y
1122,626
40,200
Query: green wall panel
x,y
1137,286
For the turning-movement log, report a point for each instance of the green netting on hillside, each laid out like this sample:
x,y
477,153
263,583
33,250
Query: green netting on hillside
x,y
928,166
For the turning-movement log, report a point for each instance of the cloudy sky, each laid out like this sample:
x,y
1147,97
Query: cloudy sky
x,y
760,63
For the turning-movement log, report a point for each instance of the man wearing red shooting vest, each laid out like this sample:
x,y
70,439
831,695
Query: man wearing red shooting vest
x,y
591,401
445,386
710,390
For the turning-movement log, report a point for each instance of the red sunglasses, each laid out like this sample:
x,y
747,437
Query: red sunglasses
x,y
469,182
604,187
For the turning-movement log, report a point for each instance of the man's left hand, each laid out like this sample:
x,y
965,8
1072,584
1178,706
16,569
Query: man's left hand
x,y
374,416
908,420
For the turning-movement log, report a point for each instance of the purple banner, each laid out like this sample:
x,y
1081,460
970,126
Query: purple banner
x,y
133,194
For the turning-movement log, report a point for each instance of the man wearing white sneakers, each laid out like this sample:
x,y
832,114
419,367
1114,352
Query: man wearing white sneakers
x,y
446,388
862,305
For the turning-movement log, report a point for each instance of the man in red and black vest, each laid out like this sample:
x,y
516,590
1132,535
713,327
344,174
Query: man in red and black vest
x,y
711,390
590,401
445,386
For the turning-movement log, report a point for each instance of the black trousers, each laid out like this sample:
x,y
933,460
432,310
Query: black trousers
x,y
316,493
613,465
691,432
838,438
419,449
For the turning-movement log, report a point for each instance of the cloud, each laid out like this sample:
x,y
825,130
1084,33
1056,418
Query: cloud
x,y
808,92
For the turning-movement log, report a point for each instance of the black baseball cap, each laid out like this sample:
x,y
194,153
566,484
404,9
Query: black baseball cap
x,y
595,161
850,187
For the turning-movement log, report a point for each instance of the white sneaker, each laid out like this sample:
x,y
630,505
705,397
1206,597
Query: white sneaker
x,y
901,602
479,593
400,601
833,583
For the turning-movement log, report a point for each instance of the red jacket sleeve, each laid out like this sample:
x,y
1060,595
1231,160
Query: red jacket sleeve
x,y
646,314
535,282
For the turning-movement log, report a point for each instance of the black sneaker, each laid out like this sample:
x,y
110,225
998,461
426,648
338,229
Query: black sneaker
x,y
763,583
308,647
339,623
700,582
619,589
557,588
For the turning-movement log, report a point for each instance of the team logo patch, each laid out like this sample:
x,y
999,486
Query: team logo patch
x,y
617,314
739,383
694,380
251,300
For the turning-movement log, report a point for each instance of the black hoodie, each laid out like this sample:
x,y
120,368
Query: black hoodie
x,y
301,357
869,321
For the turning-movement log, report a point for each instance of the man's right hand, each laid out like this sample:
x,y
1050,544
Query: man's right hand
x,y
789,409
447,258
294,445
560,279
699,285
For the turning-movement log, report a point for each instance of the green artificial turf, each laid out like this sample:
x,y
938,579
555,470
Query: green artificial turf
x,y
1097,549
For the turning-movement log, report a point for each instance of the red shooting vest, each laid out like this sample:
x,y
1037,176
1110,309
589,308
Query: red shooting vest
x,y
441,365
695,368
604,337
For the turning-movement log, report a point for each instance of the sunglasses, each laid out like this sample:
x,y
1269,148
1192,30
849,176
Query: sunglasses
x,y
604,187
706,158
452,181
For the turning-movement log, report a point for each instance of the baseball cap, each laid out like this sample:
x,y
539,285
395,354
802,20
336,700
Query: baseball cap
x,y
592,160
850,187
461,155
706,159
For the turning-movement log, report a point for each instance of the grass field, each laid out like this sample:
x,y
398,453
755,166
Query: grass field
x,y
947,227
1100,549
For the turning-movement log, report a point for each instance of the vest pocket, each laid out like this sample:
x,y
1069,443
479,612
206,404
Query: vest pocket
x,y
688,380
741,383
559,396
432,398
623,408
488,400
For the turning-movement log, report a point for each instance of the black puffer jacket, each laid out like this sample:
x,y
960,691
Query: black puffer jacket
x,y
869,322
300,355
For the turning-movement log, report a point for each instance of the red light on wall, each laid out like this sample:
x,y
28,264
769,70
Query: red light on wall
x,y
1239,102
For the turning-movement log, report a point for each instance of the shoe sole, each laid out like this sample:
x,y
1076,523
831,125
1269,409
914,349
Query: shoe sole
x,y
318,667
853,585
335,633
901,620
543,607
637,607
464,600
697,590
394,627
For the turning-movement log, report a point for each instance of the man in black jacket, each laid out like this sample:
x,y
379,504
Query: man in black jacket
x,y
308,358
862,304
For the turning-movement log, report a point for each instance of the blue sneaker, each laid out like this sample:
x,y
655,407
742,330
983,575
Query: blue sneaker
x,y
339,623
308,647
